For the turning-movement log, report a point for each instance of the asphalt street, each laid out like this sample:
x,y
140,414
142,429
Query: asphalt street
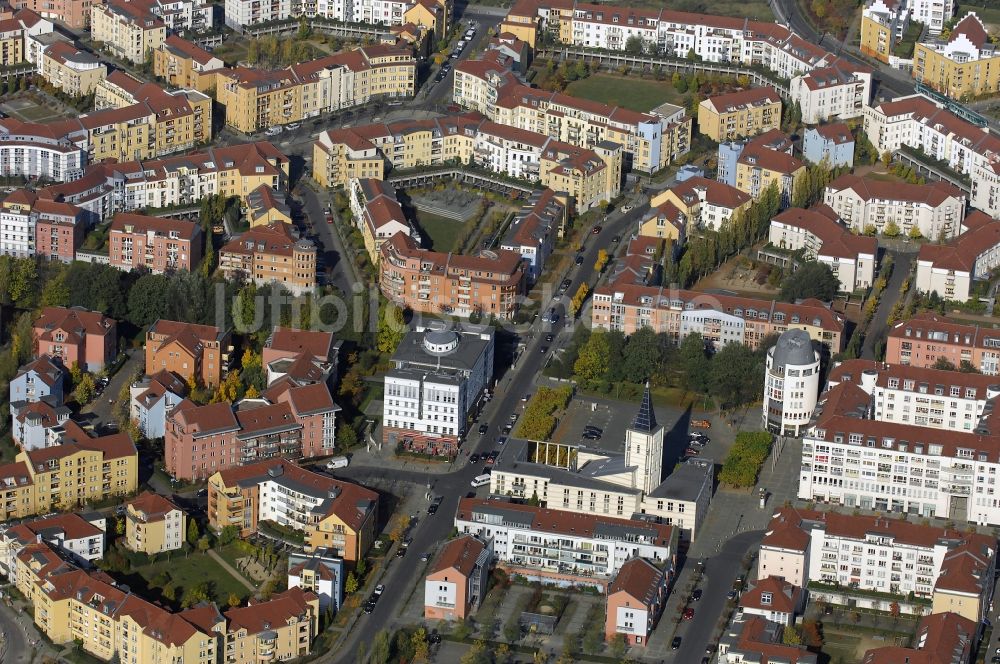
x,y
721,571
16,648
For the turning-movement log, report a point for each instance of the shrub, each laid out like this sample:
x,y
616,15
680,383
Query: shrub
x,y
745,459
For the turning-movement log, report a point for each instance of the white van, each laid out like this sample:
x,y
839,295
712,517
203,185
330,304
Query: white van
x,y
338,462
480,480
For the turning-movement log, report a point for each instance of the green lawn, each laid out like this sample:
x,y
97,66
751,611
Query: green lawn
x,y
442,232
633,93
186,572
988,15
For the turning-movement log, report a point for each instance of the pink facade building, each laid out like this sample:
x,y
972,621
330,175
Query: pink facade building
x,y
456,583
289,421
924,339
59,230
160,245
635,601
76,336
303,356
74,13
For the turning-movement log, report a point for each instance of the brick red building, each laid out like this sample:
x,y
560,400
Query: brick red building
x,y
76,335
59,230
161,245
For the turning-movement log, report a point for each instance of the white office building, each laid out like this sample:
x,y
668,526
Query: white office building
x,y
791,383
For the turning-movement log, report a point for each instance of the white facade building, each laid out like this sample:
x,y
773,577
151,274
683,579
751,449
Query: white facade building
x,y
920,124
564,548
935,209
82,539
791,383
438,376
950,270
839,91
818,233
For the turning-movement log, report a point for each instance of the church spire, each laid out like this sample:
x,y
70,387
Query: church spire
x,y
645,419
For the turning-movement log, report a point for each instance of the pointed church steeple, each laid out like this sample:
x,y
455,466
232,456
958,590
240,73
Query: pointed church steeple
x,y
645,419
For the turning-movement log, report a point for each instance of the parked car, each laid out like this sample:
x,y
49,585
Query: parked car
x,y
597,230
690,452
590,435
483,428
701,424
272,131
696,595
676,643
626,209
292,126
688,614
549,337
579,259
591,427
474,458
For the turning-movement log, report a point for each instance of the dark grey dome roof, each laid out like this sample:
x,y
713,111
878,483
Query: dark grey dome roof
x,y
793,347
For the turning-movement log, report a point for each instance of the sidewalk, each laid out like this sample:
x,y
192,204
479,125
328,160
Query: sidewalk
x,y
232,572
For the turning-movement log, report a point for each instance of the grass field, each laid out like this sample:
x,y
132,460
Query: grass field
x,y
186,572
441,232
988,15
26,109
632,93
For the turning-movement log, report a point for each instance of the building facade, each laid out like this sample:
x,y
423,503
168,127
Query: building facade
x,y
965,65
925,338
635,601
154,525
791,383
740,114
271,254
952,270
457,580
186,349
76,336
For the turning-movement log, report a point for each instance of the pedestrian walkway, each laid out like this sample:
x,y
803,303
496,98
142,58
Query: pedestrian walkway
x,y
229,568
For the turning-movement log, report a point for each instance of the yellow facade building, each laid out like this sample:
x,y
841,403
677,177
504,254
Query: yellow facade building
x,y
127,28
184,64
154,525
965,65
433,15
71,70
255,99
740,114
68,475
883,23
759,166
700,202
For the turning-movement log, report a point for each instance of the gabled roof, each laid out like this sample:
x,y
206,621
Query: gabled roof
x,y
459,554
639,579
781,596
276,612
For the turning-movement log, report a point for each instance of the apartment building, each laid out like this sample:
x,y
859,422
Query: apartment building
x,y
59,229
965,65
301,357
791,383
635,601
130,29
71,70
457,580
933,398
31,151
73,471
767,161
940,637
341,155
935,210
265,206
739,114
534,541
39,379
703,203
951,269
255,99
891,557
649,141
377,214
184,64
534,231
271,254
321,573
773,599
883,24
919,124
154,525
74,14
336,516
757,639
152,397
435,15
832,144
488,283
287,421
186,349
720,319
18,225
76,336
158,244
820,235
21,34
438,375
79,538
925,338
897,467
838,91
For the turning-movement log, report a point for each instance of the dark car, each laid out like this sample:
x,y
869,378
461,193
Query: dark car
x,y
688,614
483,428
369,607
549,337
543,350
591,427
676,643
590,435
474,458
597,229
616,239
566,283
507,429
696,595
434,638
432,508
579,259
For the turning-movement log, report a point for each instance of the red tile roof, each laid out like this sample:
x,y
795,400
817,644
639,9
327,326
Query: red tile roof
x,y
639,579
784,596
273,613
152,505
960,253
836,239
459,554
933,193
750,97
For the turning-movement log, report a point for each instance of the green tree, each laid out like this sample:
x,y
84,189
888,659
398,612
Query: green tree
x,y
146,302
86,390
195,594
228,534
891,229
233,599
812,279
641,356
391,327
592,363
347,437
361,567
204,544
380,648
617,646
419,645
679,82
737,375
694,363
790,637
635,45
944,364
967,367
351,584
193,533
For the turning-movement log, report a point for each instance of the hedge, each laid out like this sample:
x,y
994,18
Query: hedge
x,y
745,459
539,420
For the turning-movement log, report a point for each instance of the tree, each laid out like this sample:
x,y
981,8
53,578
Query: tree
x,y
812,279
635,45
915,233
380,648
967,367
398,526
592,363
86,390
870,230
204,543
943,364
146,303
169,593
347,437
693,362
790,637
737,375
233,600
418,643
617,645
193,532
501,654
679,82
641,355
351,584
195,594
228,534
891,229
391,327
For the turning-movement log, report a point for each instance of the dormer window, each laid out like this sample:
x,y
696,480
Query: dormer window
x,y
765,599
